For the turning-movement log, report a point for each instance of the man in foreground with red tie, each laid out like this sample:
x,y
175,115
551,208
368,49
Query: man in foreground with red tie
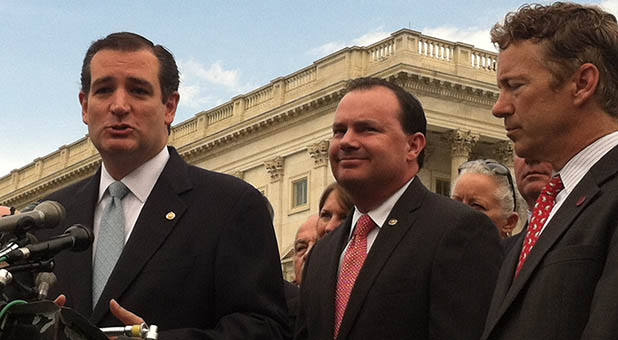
x,y
558,79
407,263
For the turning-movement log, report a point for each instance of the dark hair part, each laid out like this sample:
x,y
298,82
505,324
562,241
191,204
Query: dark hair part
x,y
412,116
131,42
570,35
344,198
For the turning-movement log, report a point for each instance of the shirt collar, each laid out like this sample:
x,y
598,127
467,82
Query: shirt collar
x,y
141,180
579,165
380,214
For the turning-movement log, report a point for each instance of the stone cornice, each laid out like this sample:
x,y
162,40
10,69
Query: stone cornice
x,y
53,182
442,86
260,123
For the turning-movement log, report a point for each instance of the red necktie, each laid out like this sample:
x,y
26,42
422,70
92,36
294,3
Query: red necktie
x,y
543,206
350,267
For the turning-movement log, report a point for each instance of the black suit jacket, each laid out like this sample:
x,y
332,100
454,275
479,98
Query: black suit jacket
x,y
568,286
428,276
212,271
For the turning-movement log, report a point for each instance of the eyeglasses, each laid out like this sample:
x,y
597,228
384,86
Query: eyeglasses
x,y
498,169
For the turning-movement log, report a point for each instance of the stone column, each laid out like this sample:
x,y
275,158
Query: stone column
x,y
461,142
274,167
319,177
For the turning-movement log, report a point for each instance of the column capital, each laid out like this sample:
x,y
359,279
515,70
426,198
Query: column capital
x,y
275,169
319,153
461,141
504,152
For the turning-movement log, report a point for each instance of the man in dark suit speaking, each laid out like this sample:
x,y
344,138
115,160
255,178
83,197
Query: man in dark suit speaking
x,y
407,263
189,250
558,79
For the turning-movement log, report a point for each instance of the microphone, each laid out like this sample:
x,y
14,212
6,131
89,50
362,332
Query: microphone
x,y
18,243
43,282
76,237
48,214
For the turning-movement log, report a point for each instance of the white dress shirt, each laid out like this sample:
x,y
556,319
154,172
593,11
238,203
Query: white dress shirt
x,y
140,183
378,216
578,166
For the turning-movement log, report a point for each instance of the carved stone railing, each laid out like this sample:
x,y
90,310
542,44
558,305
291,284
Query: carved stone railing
x,y
435,48
259,97
220,114
382,51
300,78
185,128
484,60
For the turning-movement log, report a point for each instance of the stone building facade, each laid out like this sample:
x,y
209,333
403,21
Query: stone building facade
x,y
276,137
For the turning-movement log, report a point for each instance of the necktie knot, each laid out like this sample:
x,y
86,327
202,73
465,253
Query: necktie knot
x,y
554,186
364,226
118,190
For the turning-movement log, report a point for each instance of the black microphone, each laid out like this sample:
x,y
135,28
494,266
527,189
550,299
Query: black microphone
x,y
76,237
16,243
48,214
43,282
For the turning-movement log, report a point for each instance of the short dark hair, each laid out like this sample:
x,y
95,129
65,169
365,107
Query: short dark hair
x,y
569,35
412,115
126,41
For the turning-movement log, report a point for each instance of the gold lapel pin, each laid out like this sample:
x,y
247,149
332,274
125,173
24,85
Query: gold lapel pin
x,y
170,216
392,221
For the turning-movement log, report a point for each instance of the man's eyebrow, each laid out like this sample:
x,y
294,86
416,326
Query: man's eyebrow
x,y
101,80
140,81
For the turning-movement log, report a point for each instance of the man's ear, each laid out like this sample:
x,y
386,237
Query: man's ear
x,y
586,80
170,107
83,101
416,144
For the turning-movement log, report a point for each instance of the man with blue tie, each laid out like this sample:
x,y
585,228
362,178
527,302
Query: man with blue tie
x,y
189,250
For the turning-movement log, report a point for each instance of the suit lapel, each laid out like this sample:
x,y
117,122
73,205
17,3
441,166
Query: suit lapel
x,y
405,212
588,187
79,275
150,231
331,269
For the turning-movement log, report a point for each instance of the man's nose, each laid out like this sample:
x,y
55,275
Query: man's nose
x,y
348,140
120,104
503,107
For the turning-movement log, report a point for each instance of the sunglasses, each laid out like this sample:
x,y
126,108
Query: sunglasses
x,y
498,169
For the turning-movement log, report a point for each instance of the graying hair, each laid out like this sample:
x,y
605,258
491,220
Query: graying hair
x,y
502,192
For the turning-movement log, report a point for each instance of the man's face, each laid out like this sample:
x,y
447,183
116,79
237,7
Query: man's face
x,y
306,236
536,117
531,177
369,147
124,109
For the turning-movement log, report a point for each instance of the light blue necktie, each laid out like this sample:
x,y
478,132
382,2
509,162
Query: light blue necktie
x,y
110,240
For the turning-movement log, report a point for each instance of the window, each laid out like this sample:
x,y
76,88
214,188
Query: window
x,y
299,192
443,187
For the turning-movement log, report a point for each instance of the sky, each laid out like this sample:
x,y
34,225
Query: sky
x,y
222,48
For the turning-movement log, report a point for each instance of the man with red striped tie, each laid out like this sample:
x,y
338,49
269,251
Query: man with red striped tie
x,y
558,79
406,263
